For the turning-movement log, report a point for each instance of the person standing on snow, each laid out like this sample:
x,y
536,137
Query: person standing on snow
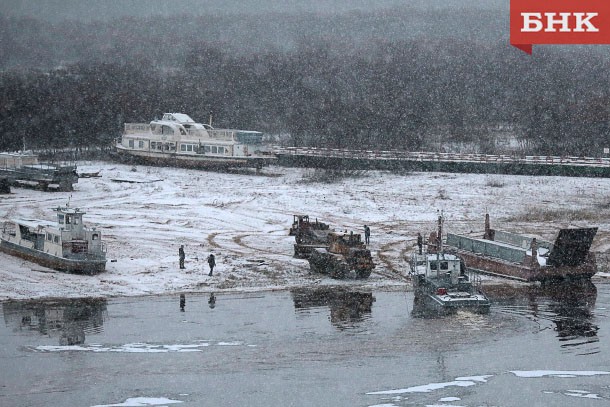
x,y
181,256
211,262
367,234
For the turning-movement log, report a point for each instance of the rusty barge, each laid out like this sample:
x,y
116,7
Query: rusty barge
x,y
526,258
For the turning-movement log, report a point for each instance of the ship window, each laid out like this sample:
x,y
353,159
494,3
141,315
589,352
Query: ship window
x,y
68,220
433,265
221,150
167,130
56,239
60,219
444,265
130,143
94,236
182,147
49,237
207,149
214,150
141,144
189,147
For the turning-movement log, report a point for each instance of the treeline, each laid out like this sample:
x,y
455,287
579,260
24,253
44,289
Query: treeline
x,y
369,92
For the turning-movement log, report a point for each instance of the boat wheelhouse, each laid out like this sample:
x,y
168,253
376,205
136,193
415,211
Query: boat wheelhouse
x,y
65,245
177,140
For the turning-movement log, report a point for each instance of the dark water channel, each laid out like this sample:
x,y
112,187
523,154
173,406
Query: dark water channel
x,y
324,347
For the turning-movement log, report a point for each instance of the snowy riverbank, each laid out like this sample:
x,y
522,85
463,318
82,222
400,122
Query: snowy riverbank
x,y
244,219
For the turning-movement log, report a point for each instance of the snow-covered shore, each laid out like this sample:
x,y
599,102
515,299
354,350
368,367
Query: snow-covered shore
x,y
244,219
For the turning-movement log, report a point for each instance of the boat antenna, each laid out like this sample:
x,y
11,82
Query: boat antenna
x,y
440,233
210,118
68,204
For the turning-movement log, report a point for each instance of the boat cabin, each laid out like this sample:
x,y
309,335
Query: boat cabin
x,y
438,266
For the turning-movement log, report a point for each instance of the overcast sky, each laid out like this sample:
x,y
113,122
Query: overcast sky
x,y
58,10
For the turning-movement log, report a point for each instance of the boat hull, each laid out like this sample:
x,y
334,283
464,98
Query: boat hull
x,y
497,267
427,296
191,161
88,266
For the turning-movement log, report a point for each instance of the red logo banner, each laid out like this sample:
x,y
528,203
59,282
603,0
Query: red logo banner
x,y
559,22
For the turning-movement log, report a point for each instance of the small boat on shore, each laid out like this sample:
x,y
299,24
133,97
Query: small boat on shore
x,y
441,283
65,245
178,141
526,258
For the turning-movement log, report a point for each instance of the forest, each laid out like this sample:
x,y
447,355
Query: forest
x,y
397,78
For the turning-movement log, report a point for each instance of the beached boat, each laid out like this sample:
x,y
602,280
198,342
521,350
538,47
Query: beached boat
x,y
177,140
23,169
65,245
441,282
526,258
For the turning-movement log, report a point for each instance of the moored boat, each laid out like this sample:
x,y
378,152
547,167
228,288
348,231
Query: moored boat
x,y
65,245
526,258
440,280
177,140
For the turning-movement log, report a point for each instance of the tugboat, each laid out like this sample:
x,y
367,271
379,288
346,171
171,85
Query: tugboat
x,y
440,280
67,245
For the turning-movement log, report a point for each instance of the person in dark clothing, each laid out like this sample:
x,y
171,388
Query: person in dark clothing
x,y
182,302
367,234
211,262
181,256
212,300
420,242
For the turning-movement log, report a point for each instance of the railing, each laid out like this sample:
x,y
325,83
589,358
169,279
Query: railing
x,y
422,156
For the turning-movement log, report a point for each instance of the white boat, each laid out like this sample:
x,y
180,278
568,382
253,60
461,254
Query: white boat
x,y
177,140
65,245
441,283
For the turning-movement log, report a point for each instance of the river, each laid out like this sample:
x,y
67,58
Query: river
x,y
324,347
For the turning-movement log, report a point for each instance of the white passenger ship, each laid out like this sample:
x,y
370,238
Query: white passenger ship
x,y
177,140
65,245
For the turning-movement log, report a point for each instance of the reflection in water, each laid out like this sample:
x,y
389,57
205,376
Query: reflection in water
x,y
347,308
182,302
69,319
568,306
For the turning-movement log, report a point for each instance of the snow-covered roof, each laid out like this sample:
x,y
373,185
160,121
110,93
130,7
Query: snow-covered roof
x,y
181,117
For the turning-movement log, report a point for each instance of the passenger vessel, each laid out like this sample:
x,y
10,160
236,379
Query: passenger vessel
x,y
177,140
65,245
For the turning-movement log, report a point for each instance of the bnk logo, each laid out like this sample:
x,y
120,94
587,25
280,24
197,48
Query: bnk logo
x,y
564,22
559,22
